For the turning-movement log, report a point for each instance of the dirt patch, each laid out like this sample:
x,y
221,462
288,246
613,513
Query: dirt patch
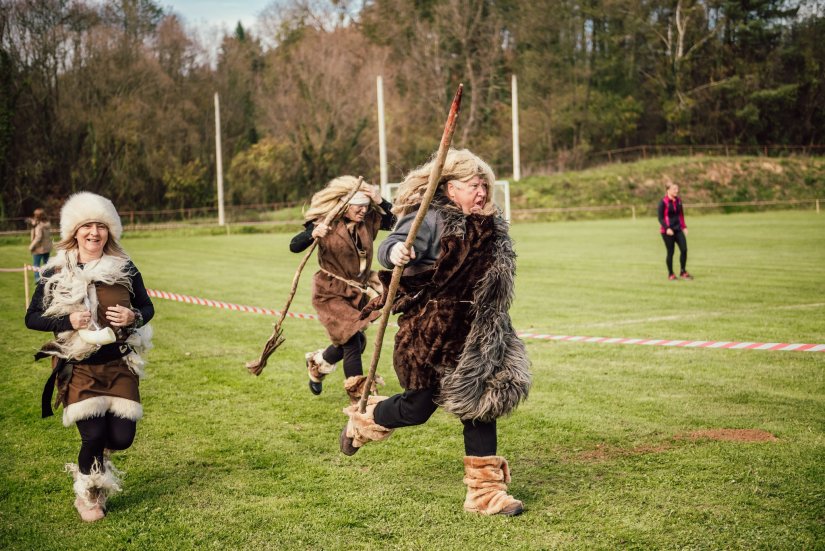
x,y
729,435
604,452
771,166
722,173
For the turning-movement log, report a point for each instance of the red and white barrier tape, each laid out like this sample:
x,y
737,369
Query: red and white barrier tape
x,y
774,346
26,268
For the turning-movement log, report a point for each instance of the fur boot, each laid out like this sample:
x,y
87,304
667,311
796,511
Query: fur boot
x,y
355,386
486,479
361,427
318,368
93,490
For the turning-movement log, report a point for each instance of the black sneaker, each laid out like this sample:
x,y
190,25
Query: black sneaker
x,y
345,443
315,388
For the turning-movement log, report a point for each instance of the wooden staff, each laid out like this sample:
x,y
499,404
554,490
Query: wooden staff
x,y
432,185
276,339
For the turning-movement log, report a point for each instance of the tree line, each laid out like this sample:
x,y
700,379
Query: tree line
x,y
117,97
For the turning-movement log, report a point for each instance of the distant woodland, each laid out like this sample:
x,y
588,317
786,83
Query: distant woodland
x,y
117,97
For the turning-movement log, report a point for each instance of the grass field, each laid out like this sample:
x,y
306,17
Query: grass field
x,y
600,452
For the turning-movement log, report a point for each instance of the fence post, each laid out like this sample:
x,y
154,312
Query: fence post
x,y
26,284
633,211
817,206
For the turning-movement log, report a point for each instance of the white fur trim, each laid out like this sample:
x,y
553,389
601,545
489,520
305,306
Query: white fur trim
x,y
98,406
141,342
105,479
84,207
324,367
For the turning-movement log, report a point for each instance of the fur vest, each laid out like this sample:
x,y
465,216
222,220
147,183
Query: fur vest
x,y
455,332
70,288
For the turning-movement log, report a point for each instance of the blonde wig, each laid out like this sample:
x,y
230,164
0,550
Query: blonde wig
x,y
460,164
331,196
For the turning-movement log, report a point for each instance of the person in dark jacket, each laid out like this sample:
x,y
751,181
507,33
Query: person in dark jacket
x,y
92,298
455,347
345,281
674,231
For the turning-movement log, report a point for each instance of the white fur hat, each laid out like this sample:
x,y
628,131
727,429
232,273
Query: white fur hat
x,y
84,207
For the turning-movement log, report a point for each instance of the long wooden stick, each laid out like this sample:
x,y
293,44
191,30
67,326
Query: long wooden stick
x,y
432,185
276,339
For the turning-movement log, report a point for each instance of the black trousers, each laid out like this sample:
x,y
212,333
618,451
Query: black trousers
x,y
414,407
678,238
350,352
97,433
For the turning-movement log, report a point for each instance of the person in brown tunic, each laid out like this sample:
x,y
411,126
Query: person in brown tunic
x,y
92,297
345,281
455,346
41,240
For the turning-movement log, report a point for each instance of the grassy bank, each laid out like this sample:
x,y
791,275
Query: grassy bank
x,y
702,180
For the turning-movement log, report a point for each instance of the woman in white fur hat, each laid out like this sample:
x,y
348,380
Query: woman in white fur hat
x,y
92,297
345,281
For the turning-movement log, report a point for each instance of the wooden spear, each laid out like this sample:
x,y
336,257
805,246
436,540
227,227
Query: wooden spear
x,y
432,185
276,339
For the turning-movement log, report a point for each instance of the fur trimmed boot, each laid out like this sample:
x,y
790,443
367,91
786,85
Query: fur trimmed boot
x,y
93,490
486,479
361,427
355,386
318,368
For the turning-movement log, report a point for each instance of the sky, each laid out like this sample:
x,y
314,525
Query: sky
x,y
223,14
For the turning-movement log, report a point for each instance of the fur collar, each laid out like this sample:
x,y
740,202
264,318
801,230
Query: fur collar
x,y
67,288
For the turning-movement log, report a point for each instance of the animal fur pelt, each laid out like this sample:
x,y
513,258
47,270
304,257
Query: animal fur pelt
x,y
493,373
455,335
66,289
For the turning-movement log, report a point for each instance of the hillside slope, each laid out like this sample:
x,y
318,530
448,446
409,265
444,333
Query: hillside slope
x,y
702,180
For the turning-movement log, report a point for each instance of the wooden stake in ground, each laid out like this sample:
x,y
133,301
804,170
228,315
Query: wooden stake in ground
x,y
276,339
432,185
26,284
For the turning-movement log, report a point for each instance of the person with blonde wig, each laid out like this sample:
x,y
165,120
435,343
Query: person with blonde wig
x,y
455,346
345,281
92,298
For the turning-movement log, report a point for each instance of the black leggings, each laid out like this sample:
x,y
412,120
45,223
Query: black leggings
x,y
414,407
97,433
351,352
678,238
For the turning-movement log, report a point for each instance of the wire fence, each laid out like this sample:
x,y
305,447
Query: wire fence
x,y
632,211
265,218
249,214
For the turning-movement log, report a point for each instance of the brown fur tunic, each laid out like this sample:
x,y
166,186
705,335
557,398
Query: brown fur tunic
x,y
455,332
339,304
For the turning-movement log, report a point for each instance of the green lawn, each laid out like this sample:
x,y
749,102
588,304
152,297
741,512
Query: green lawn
x,y
224,460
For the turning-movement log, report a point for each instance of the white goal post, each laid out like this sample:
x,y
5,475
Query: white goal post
x,y
501,195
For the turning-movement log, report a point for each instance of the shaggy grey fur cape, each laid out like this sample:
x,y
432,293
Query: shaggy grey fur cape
x,y
493,373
